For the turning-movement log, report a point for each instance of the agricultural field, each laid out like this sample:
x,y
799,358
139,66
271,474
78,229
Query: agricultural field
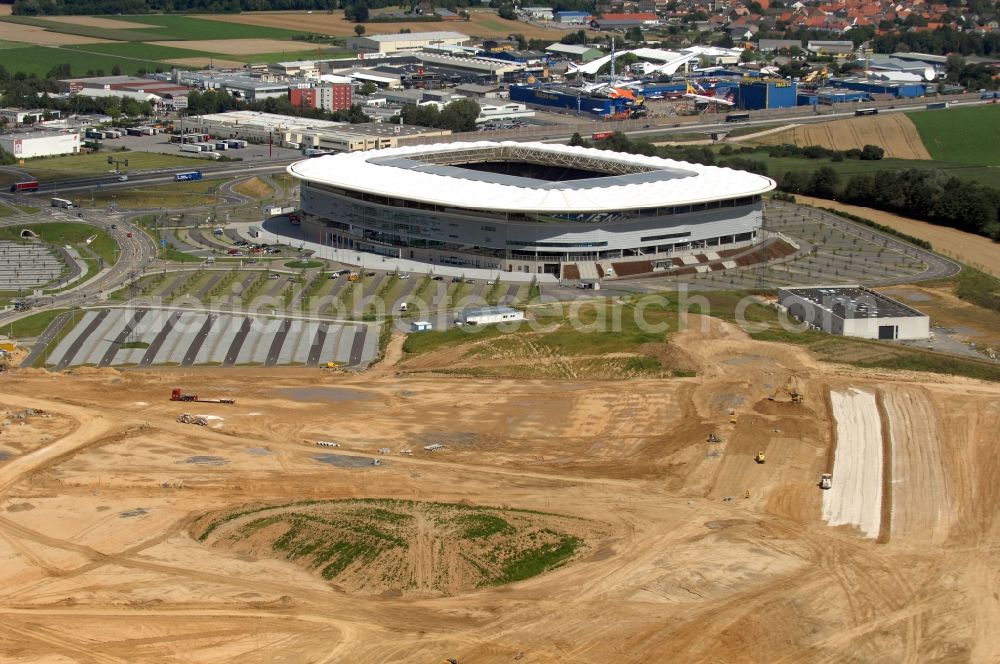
x,y
895,133
136,43
962,135
483,23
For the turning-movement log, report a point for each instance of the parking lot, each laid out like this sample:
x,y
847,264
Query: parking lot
x,y
141,337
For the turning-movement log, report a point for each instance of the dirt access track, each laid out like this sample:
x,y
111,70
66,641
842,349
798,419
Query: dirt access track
x,y
99,564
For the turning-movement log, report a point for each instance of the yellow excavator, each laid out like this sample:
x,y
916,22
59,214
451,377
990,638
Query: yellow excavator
x,y
759,458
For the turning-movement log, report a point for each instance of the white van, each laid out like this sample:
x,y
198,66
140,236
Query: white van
x,y
404,306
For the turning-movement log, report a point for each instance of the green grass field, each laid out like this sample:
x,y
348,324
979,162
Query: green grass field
x,y
31,326
778,166
965,135
40,59
68,233
97,162
162,28
141,51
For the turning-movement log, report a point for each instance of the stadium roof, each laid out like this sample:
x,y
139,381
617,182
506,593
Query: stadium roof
x,y
636,181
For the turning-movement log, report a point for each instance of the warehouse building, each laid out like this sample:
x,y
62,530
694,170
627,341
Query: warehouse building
x,y
854,311
489,315
40,144
761,94
412,41
575,52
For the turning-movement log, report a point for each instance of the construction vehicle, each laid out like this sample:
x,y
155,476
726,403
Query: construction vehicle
x,y
188,418
179,395
330,365
826,481
354,276
759,458
712,438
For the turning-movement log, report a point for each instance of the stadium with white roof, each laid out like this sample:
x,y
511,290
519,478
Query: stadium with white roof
x,y
525,207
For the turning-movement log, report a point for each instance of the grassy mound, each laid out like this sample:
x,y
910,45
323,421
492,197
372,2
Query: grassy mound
x,y
376,545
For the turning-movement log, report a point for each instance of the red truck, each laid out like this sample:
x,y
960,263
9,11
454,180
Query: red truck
x,y
30,185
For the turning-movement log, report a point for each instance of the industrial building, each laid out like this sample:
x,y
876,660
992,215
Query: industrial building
x,y
40,143
854,311
15,116
411,41
574,99
576,52
903,90
525,207
761,94
489,315
294,132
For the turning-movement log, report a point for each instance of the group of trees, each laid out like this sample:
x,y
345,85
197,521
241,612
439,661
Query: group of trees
x,y
867,153
922,193
459,115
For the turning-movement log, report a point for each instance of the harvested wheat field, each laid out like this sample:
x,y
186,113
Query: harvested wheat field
x,y
100,22
969,248
237,46
894,132
542,521
482,23
31,34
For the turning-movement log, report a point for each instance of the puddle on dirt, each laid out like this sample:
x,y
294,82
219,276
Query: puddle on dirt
x,y
324,394
205,460
139,511
259,451
4,455
344,461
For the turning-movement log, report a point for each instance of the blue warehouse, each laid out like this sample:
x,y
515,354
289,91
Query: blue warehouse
x,y
756,95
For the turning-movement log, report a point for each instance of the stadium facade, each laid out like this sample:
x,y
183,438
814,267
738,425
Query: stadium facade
x,y
525,207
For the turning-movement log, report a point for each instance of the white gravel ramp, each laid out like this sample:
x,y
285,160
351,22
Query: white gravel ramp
x,y
344,343
856,495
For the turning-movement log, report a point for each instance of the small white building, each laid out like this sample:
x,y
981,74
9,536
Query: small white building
x,y
40,144
499,112
855,311
489,315
421,326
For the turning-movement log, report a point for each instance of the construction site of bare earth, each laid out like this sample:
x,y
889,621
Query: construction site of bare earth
x,y
408,514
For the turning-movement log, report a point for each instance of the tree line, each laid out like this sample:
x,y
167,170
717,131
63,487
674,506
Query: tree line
x,y
926,194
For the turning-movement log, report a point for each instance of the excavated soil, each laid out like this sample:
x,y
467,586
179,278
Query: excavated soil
x,y
698,553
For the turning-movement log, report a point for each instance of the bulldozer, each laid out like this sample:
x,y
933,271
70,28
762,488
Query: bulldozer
x,y
826,481
759,458
187,418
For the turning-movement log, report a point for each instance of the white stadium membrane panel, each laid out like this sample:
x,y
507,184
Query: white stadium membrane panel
x,y
646,182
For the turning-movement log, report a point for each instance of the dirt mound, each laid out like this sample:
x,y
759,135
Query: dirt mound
x,y
895,133
377,546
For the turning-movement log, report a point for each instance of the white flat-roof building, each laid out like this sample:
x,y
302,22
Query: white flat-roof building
x,y
40,144
412,41
854,311
489,315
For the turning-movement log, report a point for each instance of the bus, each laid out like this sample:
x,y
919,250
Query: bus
x,y
866,111
190,176
30,185
738,117
62,203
